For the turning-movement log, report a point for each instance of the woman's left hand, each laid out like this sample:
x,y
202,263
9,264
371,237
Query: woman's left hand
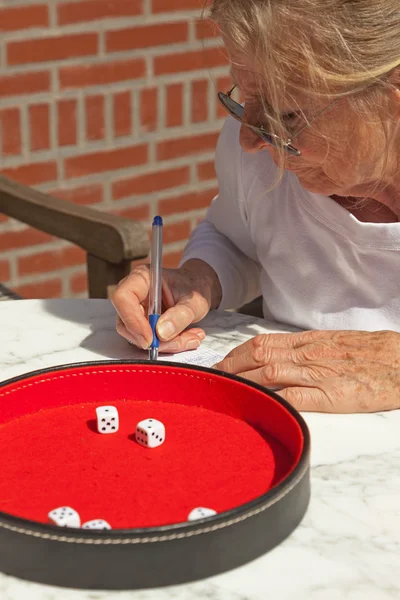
x,y
324,371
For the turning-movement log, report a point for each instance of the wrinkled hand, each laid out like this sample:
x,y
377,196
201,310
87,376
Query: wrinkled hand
x,y
188,294
324,371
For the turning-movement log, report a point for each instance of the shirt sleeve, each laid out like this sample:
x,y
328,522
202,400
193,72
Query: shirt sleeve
x,y
223,239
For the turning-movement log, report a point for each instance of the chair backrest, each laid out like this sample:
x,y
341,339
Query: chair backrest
x,y
6,294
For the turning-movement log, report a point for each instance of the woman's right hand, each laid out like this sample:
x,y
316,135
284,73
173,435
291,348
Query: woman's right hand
x,y
188,294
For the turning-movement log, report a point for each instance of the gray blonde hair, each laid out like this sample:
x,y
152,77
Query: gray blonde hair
x,y
324,48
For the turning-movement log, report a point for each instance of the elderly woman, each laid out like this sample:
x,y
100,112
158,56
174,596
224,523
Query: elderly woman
x,y
308,207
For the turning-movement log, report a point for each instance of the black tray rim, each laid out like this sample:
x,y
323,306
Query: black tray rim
x,y
173,531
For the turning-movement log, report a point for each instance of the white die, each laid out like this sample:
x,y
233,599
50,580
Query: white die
x,y
201,513
150,433
96,524
64,516
107,419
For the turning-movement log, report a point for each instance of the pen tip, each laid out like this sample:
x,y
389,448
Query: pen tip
x,y
153,353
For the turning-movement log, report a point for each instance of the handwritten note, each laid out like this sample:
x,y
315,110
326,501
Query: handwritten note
x,y
202,357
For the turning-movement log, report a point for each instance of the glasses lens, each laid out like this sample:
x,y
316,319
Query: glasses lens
x,y
271,138
237,111
277,142
231,106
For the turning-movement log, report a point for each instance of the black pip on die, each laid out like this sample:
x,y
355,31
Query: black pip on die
x,y
96,524
64,516
150,433
107,419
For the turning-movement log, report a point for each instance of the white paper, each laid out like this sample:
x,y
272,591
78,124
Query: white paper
x,y
202,357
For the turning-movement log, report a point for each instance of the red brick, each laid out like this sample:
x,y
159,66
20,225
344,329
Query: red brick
x,y
4,270
102,73
205,28
51,260
78,283
186,202
24,17
137,213
85,194
10,135
174,109
148,109
188,145
43,289
174,5
39,126
206,170
3,218
108,160
67,122
19,239
24,83
122,113
189,61
32,174
159,34
176,232
151,182
93,10
199,105
95,124
52,48
171,260
224,84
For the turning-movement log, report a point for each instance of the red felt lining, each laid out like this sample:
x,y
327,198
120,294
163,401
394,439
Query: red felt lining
x,y
226,444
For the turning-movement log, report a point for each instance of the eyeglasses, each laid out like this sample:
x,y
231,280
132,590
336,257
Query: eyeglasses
x,y
236,110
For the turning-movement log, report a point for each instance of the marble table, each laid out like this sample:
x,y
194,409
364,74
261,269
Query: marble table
x,y
348,545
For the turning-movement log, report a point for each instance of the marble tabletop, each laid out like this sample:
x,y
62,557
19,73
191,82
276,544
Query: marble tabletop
x,y
348,544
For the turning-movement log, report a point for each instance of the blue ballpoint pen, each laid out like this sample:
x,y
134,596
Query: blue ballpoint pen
x,y
155,283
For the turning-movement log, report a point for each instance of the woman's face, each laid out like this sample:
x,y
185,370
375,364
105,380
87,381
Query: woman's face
x,y
340,153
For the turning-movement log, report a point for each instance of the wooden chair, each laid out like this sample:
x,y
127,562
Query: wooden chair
x,y
111,242
253,308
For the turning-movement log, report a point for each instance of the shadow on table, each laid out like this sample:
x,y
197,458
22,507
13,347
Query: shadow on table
x,y
99,316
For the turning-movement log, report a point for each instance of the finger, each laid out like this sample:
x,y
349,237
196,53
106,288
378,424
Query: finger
x,y
275,340
255,358
269,340
309,399
177,318
133,337
279,375
188,340
279,340
127,301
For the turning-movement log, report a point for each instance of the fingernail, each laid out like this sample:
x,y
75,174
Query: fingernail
x,y
143,343
192,345
201,335
166,330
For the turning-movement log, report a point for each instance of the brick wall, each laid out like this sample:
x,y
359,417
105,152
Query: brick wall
x,y
109,103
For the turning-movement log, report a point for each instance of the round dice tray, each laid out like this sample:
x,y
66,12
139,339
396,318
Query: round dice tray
x,y
230,445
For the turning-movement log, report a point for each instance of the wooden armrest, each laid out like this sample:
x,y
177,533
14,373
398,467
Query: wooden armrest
x,y
108,237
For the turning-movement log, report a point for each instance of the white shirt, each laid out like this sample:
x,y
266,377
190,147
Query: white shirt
x,y
315,264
